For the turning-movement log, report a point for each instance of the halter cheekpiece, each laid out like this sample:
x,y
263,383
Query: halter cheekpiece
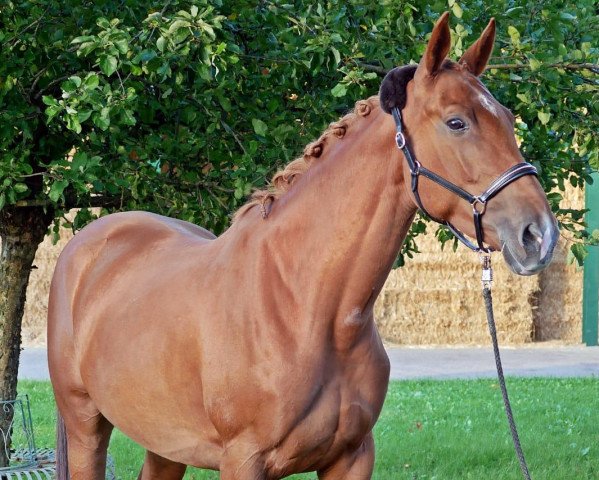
x,y
478,202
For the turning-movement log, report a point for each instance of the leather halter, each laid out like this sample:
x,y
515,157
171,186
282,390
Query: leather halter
x,y
478,202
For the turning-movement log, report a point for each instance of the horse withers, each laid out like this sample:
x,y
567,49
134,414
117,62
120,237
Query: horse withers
x,y
255,353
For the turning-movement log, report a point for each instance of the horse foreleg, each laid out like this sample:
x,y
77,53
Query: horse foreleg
x,y
87,440
354,465
159,468
241,463
243,473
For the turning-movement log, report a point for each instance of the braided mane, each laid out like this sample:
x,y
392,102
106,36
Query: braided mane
x,y
284,179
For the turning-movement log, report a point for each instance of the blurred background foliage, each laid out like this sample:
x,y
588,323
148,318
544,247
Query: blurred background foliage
x,y
183,107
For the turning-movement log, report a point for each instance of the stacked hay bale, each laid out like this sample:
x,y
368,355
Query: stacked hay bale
x,y
559,316
36,307
559,313
436,298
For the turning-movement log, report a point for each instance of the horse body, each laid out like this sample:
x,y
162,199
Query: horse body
x,y
255,353
242,319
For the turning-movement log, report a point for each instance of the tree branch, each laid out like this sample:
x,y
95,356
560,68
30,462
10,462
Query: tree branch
x,y
372,68
50,85
232,132
32,24
566,66
593,67
94,201
32,203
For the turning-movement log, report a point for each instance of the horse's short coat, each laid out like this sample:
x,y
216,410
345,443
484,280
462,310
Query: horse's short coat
x,y
255,353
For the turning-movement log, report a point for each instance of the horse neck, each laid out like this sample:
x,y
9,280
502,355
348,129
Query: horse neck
x,y
336,234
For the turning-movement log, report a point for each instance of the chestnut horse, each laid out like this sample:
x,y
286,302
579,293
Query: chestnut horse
x,y
255,353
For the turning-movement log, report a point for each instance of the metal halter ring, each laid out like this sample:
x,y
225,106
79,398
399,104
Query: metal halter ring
x,y
417,166
482,203
478,203
400,139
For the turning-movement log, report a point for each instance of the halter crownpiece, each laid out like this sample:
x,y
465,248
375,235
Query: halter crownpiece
x,y
478,202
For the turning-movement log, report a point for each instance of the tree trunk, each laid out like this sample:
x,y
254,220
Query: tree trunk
x,y
21,231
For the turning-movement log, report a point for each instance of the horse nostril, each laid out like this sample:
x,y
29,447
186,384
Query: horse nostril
x,y
531,239
530,249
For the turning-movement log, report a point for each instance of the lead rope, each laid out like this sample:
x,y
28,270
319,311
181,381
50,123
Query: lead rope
x,y
487,280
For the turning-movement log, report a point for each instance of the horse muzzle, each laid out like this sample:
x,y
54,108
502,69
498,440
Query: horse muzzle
x,y
529,249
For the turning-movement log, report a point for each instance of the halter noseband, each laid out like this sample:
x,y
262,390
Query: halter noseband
x,y
478,203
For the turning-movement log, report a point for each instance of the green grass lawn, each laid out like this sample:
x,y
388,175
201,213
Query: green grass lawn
x,y
442,430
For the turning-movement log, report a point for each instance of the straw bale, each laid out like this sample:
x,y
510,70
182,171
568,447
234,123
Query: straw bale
x,y
434,299
559,313
36,306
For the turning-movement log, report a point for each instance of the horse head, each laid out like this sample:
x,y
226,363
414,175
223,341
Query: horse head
x,y
459,131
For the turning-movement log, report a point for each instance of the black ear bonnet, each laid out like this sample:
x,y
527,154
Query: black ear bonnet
x,y
393,92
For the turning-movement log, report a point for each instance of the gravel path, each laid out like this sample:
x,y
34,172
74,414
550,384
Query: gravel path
x,y
439,363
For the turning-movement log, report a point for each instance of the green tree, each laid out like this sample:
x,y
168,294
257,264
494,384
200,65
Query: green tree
x,y
182,107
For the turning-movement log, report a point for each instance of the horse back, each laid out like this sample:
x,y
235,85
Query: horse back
x,y
100,253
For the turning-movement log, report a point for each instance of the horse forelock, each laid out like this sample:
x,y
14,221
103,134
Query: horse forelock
x,y
285,179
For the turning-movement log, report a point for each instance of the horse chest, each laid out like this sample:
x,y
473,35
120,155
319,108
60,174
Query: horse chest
x,y
300,406
335,420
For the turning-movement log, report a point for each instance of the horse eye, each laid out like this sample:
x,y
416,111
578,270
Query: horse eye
x,y
456,124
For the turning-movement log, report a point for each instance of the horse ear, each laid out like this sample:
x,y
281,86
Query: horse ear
x,y
438,46
393,92
476,57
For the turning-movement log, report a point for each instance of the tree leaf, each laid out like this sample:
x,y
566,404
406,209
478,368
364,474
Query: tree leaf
x,y
83,115
160,43
56,190
339,90
121,43
534,64
49,100
76,80
69,86
209,30
457,10
567,16
91,81
514,34
79,161
259,127
128,117
579,253
82,39
177,24
544,117
20,187
101,121
337,55
108,64
73,123
52,111
103,23
147,55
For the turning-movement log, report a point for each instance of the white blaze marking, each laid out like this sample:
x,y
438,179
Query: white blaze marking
x,y
487,103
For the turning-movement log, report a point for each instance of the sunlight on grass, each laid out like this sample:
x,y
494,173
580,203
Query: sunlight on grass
x,y
443,430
